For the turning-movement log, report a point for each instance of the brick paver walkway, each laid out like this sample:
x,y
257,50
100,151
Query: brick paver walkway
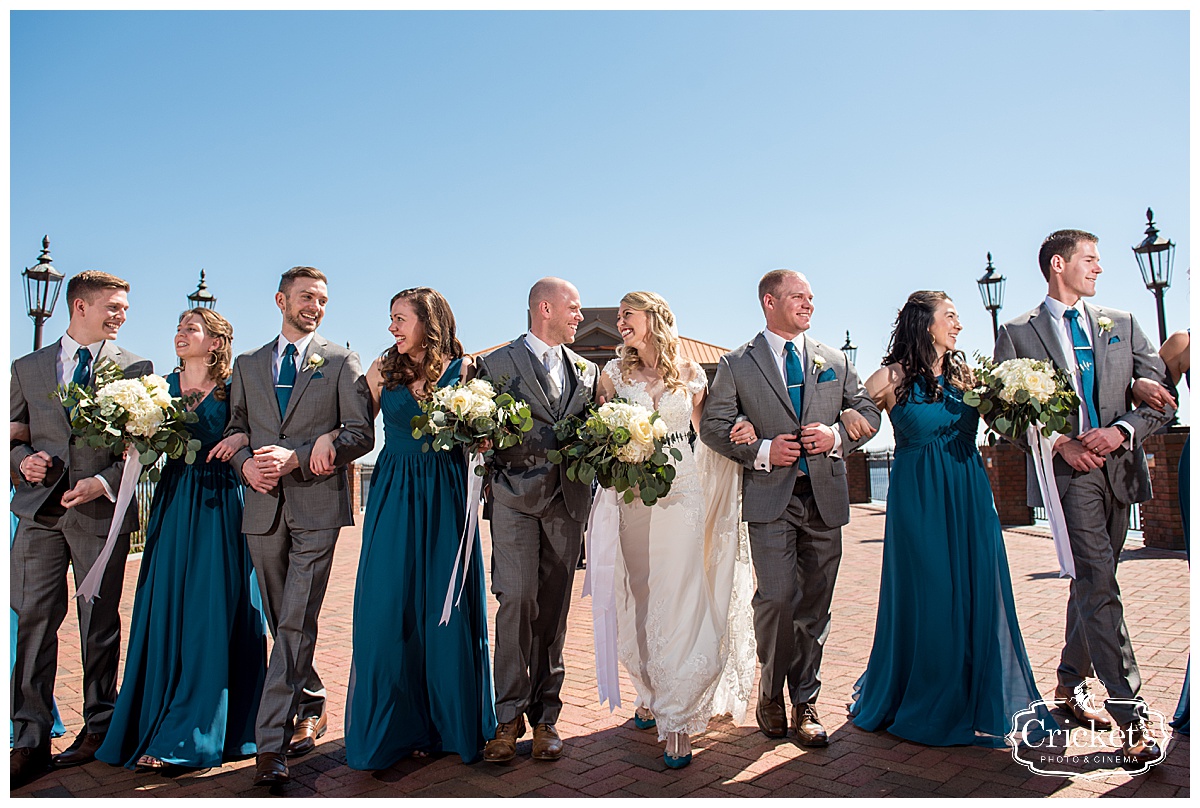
x,y
606,755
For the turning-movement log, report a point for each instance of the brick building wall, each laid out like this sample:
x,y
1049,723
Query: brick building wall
x,y
1005,465
858,476
1162,524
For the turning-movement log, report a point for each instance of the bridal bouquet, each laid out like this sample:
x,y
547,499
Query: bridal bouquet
x,y
137,414
466,413
1020,393
620,445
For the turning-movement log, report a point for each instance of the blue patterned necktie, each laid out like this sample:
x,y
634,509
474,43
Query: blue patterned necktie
x,y
1085,360
794,373
287,378
83,370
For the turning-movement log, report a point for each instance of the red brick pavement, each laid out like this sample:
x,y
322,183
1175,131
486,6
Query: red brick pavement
x,y
606,756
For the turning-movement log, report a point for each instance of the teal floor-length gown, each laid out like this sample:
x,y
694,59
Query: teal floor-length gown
x,y
948,665
416,685
196,660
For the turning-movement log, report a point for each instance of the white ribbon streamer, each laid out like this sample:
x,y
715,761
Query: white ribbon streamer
x,y
466,544
603,537
1043,464
89,587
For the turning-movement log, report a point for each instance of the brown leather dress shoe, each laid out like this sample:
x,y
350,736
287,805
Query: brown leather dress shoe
x,y
546,743
271,769
83,750
1078,702
503,747
771,716
1138,744
809,731
304,739
26,764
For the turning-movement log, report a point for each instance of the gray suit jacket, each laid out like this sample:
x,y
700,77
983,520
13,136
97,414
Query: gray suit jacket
x,y
334,395
31,400
748,383
1122,355
522,478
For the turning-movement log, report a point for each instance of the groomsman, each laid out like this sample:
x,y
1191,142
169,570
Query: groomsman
x,y
64,504
285,395
537,521
794,495
1099,469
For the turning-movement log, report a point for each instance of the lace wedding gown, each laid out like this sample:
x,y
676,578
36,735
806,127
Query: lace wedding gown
x,y
683,581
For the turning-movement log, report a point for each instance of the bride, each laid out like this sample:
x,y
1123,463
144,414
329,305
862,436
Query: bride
x,y
683,581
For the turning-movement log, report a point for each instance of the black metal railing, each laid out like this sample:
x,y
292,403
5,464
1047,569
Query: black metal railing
x,y
879,470
1135,516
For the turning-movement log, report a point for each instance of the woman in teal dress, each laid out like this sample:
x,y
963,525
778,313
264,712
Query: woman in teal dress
x,y
196,659
1176,355
948,665
416,687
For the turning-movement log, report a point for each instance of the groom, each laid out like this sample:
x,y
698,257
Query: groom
x,y
794,496
537,519
284,396
1099,469
64,503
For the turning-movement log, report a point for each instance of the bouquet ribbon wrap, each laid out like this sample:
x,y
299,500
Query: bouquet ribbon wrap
x,y
1043,464
89,587
466,544
603,537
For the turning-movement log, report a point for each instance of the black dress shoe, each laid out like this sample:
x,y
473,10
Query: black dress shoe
x,y
26,764
271,769
771,716
809,731
1078,702
81,752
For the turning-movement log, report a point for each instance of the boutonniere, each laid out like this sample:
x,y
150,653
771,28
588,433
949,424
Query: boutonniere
x,y
818,362
315,361
581,369
1104,324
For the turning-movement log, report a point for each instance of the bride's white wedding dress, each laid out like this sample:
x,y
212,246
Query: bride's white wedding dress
x,y
683,580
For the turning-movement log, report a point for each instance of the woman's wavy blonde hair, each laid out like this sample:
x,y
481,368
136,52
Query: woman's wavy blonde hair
x,y
441,342
220,360
663,338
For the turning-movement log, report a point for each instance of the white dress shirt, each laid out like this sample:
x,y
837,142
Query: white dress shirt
x,y
1066,341
556,370
67,363
281,346
779,350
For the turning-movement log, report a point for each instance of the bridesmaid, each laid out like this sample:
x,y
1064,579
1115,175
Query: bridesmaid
x,y
197,652
416,687
1176,355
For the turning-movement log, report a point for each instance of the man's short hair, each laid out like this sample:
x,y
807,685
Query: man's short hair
x,y
1064,243
770,283
285,280
91,282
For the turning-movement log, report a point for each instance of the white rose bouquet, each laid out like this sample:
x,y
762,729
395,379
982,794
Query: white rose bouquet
x,y
622,446
466,413
1020,393
114,413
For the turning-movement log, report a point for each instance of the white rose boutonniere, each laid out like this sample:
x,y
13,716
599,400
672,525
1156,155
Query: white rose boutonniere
x,y
581,368
1105,324
818,362
314,361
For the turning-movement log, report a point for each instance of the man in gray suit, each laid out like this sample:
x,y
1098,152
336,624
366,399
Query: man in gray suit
x,y
1099,469
794,496
537,518
64,503
284,396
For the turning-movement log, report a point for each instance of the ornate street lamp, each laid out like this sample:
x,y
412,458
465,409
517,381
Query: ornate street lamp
x,y
1154,256
202,297
850,349
991,289
42,284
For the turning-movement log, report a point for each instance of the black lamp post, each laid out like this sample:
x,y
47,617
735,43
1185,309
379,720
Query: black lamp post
x,y
991,289
1154,256
850,349
202,297
42,285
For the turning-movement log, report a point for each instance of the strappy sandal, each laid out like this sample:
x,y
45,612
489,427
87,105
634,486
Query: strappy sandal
x,y
149,763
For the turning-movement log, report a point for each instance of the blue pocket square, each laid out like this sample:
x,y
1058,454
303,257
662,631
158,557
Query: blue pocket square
x,y
318,375
1113,339
827,375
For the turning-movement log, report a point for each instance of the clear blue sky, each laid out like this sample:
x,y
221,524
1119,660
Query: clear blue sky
x,y
686,153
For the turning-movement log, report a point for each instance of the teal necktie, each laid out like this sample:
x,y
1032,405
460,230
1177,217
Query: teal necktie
x,y
1085,359
794,373
287,378
83,370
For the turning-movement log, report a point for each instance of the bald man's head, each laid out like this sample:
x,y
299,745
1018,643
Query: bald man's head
x,y
554,311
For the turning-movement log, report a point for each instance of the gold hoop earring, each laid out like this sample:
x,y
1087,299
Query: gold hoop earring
x,y
213,360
